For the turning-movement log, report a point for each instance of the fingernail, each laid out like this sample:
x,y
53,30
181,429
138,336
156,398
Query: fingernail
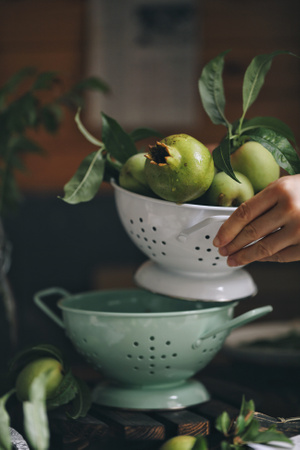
x,y
216,242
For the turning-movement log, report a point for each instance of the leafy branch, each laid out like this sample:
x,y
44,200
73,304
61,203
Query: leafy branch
x,y
272,133
22,109
244,430
104,163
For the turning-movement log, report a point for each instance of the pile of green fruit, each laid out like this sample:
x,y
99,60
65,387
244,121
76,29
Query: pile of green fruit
x,y
181,169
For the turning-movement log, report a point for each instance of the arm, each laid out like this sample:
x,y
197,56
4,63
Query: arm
x,y
272,217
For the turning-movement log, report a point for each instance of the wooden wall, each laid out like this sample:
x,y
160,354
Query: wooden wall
x,y
51,35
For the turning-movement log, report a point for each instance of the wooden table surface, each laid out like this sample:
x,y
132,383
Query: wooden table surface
x,y
275,391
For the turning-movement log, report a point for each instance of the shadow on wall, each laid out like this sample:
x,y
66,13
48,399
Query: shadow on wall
x,y
56,244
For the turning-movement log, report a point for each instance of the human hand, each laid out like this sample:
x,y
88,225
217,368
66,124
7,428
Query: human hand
x,y
272,218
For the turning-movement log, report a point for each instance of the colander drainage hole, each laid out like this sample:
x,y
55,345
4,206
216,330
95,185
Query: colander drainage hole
x,y
152,349
152,338
129,356
168,342
140,357
207,236
136,344
141,219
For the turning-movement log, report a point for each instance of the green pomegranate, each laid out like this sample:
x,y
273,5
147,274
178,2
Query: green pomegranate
x,y
35,368
257,163
132,176
225,191
179,168
182,442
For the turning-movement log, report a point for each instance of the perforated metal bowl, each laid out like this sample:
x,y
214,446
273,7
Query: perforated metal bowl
x,y
147,346
177,237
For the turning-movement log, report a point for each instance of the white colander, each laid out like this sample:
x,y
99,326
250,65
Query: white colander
x,y
177,237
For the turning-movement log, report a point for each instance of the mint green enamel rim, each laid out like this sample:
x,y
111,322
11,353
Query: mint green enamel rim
x,y
243,319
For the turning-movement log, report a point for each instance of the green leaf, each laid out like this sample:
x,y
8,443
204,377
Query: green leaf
x,y
143,133
65,392
269,122
5,440
117,142
35,414
82,402
255,76
212,91
282,150
251,432
86,182
44,81
50,117
221,156
223,423
271,434
200,444
14,82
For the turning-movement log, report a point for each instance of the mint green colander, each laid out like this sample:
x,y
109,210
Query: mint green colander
x,y
147,346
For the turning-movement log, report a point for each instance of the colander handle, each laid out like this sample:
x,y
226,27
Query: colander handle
x,y
38,300
184,234
243,319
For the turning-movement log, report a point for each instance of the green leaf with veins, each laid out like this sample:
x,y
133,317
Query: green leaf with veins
x,y
271,123
281,149
212,91
221,156
86,182
255,77
118,143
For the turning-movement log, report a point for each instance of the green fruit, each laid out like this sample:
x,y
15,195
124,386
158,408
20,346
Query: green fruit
x,y
257,163
179,168
132,176
35,368
179,443
225,191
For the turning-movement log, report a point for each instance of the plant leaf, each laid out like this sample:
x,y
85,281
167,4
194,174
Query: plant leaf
x,y
143,133
5,440
117,142
65,392
281,149
44,80
200,444
255,76
270,435
35,414
221,156
212,91
223,423
14,82
81,403
269,122
86,182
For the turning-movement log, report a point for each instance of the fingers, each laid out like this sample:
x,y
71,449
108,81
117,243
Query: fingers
x,y
288,254
277,246
244,215
258,228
